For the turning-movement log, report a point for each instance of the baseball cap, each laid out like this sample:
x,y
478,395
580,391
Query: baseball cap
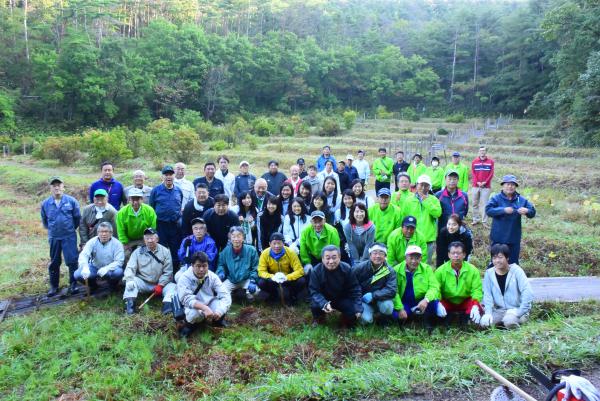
x,y
349,157
135,192
100,192
384,192
168,169
456,154
509,178
409,221
149,231
197,220
424,179
276,237
54,179
452,172
413,249
244,162
300,161
317,214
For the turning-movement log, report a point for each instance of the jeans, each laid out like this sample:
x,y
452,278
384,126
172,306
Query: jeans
x,y
112,276
68,247
384,307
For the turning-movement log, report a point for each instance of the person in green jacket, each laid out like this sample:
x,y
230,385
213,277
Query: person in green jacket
x,y
314,238
436,173
386,217
238,264
383,168
403,191
417,168
426,208
461,169
401,238
132,220
460,284
418,290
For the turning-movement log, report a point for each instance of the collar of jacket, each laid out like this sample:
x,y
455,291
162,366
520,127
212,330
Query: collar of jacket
x,y
380,273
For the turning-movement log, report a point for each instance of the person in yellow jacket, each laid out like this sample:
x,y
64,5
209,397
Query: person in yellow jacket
x,y
461,170
417,168
426,208
383,168
280,267
436,173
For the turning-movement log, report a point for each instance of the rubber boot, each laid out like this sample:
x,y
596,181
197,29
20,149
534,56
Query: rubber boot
x,y
130,306
167,308
52,291
73,288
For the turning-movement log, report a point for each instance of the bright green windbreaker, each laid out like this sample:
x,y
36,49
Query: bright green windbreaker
x,y
463,175
414,173
383,166
311,245
425,284
437,176
400,196
457,289
397,245
385,221
131,227
426,212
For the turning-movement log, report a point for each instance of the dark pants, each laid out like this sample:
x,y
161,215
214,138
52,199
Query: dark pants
x,y
290,288
344,305
169,235
515,250
68,247
379,185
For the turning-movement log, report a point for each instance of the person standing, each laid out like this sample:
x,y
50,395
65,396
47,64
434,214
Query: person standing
x,y
402,238
196,208
186,186
215,186
417,168
362,166
385,216
324,158
295,179
166,200
226,177
401,166
436,173
452,199
219,221
132,220
302,165
116,194
139,178
314,238
61,216
350,169
482,169
94,214
383,168
244,181
343,177
274,177
461,170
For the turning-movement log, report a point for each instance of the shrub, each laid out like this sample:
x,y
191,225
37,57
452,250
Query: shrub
x,y
442,131
262,126
349,119
65,149
159,134
382,113
135,140
330,126
184,144
206,131
251,141
187,117
106,145
218,145
456,118
408,113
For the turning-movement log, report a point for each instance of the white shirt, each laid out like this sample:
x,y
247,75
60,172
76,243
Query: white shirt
x,y
362,166
228,181
187,189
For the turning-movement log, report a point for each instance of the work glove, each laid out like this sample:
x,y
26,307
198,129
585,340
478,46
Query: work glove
x,y
513,312
475,315
251,287
580,388
440,311
221,276
307,268
158,290
102,271
367,298
486,320
130,285
85,272
279,278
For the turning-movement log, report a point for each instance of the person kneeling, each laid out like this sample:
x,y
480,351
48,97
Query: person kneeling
x,y
460,285
238,264
202,294
333,286
101,257
378,284
418,289
280,267
507,295
149,270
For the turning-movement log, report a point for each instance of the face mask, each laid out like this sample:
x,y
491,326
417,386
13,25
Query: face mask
x,y
434,163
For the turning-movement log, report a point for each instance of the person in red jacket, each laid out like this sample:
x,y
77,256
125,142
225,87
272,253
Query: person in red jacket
x,y
482,170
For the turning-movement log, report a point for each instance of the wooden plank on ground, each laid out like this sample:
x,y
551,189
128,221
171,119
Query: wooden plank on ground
x,y
565,289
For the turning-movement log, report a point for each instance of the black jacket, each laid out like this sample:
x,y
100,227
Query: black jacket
x,y
326,286
383,288
190,212
444,239
218,226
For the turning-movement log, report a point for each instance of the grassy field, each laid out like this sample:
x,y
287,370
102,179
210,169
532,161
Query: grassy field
x,y
91,351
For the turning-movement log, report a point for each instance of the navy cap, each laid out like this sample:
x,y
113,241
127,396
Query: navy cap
x,y
409,221
197,220
168,169
509,178
456,154
384,192
300,161
149,231
276,237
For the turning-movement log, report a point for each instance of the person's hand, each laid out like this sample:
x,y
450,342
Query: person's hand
x,y
216,316
130,285
85,272
221,276
475,315
327,308
241,219
127,247
513,312
400,314
158,290
358,315
421,306
367,298
486,320
523,211
384,177
251,287
509,210
103,271
279,278
250,219
580,388
440,311
307,268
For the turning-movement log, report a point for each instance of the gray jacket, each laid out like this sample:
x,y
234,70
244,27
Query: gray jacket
x,y
211,289
146,190
88,226
144,266
102,255
517,292
358,245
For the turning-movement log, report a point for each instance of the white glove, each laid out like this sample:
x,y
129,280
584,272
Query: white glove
x,y
102,271
85,272
440,310
279,278
512,312
307,268
580,388
475,314
130,285
486,320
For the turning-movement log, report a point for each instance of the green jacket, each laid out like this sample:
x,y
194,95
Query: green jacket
x,y
414,173
131,227
426,212
425,285
383,166
397,244
463,175
437,176
400,196
385,221
311,245
456,290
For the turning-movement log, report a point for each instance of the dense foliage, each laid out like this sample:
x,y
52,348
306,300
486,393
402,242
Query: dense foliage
x,y
74,63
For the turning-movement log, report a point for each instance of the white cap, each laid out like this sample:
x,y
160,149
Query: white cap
x,y
244,162
349,157
424,179
413,249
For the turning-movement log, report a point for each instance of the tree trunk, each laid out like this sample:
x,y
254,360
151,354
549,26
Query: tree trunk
x,y
25,30
453,66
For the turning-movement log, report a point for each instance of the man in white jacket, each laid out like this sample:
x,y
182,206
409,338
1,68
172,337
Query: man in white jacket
x,y
202,294
507,295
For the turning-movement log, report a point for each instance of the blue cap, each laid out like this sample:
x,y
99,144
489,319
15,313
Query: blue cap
x,y
317,214
168,169
456,154
509,178
409,221
384,191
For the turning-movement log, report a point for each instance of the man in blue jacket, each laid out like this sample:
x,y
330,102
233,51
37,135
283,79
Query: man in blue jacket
x,y
506,209
324,158
166,200
452,199
61,216
116,194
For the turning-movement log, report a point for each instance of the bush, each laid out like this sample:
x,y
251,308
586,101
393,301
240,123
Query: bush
x,y
218,145
206,131
158,138
65,149
251,141
135,141
262,126
442,131
382,113
349,119
106,145
184,144
187,117
408,113
456,118
330,126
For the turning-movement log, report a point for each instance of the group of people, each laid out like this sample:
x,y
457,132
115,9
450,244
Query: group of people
x,y
194,243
